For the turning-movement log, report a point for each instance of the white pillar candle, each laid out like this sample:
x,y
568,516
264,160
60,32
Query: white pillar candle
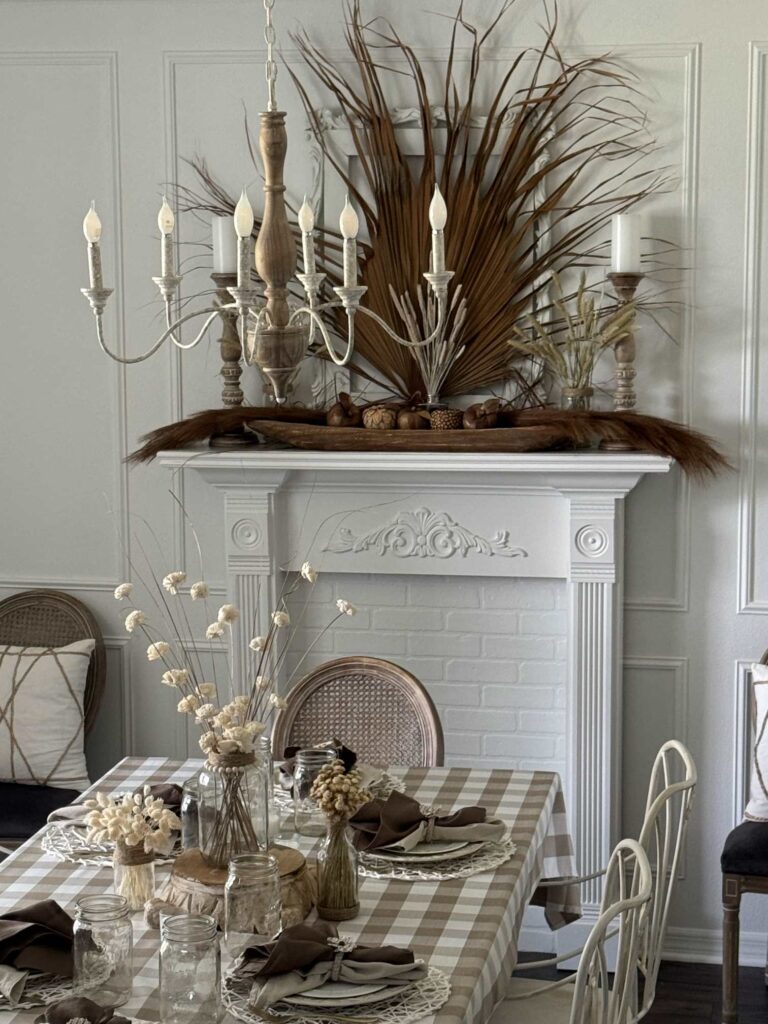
x,y
625,248
307,226
349,226
166,222
224,245
438,216
92,232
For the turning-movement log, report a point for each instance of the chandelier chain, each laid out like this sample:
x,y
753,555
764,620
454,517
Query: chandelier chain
x,y
271,66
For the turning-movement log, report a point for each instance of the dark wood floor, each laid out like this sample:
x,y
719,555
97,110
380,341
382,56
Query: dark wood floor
x,y
691,992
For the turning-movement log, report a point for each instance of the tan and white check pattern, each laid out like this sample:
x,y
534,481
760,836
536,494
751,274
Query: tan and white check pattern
x,y
467,927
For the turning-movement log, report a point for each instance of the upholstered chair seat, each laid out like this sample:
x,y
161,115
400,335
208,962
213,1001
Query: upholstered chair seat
x,y
26,808
746,850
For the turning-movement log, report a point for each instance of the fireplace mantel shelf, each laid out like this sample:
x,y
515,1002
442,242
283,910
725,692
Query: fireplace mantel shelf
x,y
549,515
550,463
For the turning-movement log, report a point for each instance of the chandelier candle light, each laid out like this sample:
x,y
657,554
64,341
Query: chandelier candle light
x,y
271,335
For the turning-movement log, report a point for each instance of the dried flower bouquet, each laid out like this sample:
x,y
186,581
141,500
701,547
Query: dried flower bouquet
x,y
231,713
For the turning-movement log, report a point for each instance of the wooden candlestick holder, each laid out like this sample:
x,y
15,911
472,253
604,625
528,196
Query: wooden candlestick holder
x,y
624,395
231,366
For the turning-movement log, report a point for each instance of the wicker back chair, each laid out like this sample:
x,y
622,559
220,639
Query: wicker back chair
x,y
376,708
51,618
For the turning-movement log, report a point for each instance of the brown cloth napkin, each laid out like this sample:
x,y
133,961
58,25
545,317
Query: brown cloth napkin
x,y
399,823
35,938
306,956
79,1008
74,814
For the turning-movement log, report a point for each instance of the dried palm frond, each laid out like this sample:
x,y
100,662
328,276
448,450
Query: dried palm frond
x,y
559,152
571,347
694,452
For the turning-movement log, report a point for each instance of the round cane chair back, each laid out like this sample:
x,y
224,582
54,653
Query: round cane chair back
x,y
376,708
623,912
51,618
668,808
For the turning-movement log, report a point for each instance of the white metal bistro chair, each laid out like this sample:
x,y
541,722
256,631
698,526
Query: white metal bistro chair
x,y
667,810
588,996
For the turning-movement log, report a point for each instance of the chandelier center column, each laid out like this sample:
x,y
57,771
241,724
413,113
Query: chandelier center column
x,y
275,245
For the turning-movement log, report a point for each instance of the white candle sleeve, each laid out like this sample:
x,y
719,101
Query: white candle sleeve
x,y
94,265
438,252
350,263
224,245
244,262
166,255
625,248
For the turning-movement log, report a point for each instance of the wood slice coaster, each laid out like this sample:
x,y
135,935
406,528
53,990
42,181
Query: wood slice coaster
x,y
355,439
197,888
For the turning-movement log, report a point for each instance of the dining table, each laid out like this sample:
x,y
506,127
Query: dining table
x,y
467,927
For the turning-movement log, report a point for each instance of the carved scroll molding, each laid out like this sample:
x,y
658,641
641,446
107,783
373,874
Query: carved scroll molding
x,y
423,534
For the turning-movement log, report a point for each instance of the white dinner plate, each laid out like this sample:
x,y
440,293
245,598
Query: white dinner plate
x,y
422,854
425,849
340,993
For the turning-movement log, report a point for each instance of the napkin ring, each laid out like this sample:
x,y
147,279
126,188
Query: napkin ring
x,y
431,815
341,946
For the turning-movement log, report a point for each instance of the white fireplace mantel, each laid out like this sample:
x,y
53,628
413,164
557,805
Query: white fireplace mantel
x,y
549,515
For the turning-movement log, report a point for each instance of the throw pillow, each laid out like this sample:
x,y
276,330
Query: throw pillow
x,y
757,808
42,692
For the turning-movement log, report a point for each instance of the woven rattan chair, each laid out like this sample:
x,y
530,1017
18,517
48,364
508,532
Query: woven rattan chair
x,y
376,708
46,618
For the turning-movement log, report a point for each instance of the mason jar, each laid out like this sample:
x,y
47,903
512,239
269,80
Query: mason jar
x,y
189,813
252,902
190,970
233,806
309,820
102,950
274,813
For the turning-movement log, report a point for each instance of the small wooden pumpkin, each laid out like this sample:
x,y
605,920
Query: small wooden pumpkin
x,y
482,415
412,419
380,417
344,413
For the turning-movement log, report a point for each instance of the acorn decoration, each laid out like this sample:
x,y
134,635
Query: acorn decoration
x,y
446,419
344,413
482,415
412,419
380,417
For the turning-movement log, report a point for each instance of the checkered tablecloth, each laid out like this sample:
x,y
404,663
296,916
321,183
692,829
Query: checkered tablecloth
x,y
467,927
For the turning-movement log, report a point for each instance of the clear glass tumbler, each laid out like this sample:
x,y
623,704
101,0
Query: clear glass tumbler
x,y
103,950
252,902
309,820
190,970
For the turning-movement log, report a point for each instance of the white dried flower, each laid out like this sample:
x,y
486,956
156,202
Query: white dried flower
x,y
172,580
134,620
228,747
188,705
206,711
308,572
207,689
198,590
254,728
345,607
228,614
123,591
175,677
207,742
258,643
281,618
157,650
263,683
242,700
214,631
242,736
278,702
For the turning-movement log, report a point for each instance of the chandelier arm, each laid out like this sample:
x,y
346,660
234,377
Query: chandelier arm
x,y
127,360
404,341
173,325
316,320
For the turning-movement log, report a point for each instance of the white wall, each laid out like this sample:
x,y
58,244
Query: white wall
x,y
102,98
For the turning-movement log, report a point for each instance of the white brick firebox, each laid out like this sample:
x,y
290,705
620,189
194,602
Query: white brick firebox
x,y
486,517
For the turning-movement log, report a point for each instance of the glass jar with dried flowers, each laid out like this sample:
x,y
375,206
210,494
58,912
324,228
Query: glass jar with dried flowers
x,y
140,826
338,793
234,785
